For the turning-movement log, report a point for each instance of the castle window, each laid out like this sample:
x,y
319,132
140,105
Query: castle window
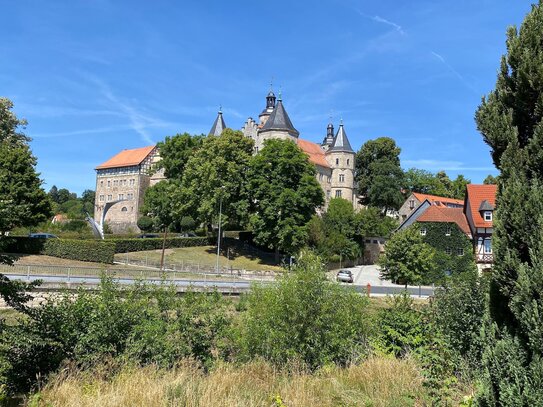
x,y
101,198
132,182
337,161
328,194
348,160
121,196
101,183
124,209
338,193
109,197
320,177
329,180
129,196
108,183
341,177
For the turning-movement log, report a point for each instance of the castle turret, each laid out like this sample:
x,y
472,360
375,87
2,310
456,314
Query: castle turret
x,y
218,126
340,157
329,138
270,105
277,126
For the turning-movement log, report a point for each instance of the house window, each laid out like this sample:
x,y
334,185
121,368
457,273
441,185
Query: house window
x,y
341,177
460,251
338,193
448,251
108,183
124,209
423,231
488,246
337,161
101,198
448,231
109,197
488,216
121,196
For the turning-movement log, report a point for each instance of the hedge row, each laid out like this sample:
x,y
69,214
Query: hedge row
x,y
138,245
84,250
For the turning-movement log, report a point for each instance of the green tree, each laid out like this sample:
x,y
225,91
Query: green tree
x,y
285,194
379,176
510,119
216,172
159,203
370,222
422,181
187,224
490,180
407,259
145,223
305,318
176,151
458,187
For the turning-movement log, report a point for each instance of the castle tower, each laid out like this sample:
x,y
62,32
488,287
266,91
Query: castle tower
x,y
278,125
218,126
329,139
340,157
270,105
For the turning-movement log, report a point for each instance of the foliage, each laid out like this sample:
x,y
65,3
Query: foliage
x,y
304,318
176,151
68,203
444,236
145,223
285,194
139,324
457,310
217,171
400,327
187,224
159,203
138,245
333,235
379,175
490,180
407,259
425,182
370,222
510,119
83,250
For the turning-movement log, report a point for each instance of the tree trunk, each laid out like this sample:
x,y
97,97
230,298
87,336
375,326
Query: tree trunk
x,y
163,249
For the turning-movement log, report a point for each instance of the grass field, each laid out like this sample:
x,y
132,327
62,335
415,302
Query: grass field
x,y
377,382
205,256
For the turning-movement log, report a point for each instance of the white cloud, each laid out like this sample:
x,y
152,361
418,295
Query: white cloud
x,y
392,24
441,59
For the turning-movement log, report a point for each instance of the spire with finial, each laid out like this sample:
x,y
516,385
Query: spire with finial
x,y
219,125
329,139
341,142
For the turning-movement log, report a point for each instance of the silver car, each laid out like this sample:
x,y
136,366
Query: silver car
x,y
345,276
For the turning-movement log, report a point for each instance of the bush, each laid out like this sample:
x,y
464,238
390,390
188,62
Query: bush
x,y
83,250
140,324
145,223
304,318
138,245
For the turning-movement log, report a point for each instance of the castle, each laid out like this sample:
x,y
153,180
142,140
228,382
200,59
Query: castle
x,y
122,180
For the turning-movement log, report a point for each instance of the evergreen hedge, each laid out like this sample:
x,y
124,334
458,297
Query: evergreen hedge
x,y
138,245
84,250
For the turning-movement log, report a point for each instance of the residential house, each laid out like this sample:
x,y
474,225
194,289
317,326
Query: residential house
x,y
416,199
479,206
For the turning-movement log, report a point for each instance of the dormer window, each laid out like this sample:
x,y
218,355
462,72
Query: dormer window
x,y
411,204
488,216
448,231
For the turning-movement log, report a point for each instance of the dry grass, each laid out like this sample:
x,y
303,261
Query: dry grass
x,y
42,260
377,382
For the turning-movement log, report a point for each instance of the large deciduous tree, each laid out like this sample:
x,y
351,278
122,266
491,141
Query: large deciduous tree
x,y
407,259
510,119
379,175
176,151
215,172
284,194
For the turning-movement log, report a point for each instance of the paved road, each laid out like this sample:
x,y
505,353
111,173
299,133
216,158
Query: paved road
x,y
236,285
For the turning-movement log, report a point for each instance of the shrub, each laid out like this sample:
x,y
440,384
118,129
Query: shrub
x,y
138,245
305,318
83,250
140,324
145,223
187,224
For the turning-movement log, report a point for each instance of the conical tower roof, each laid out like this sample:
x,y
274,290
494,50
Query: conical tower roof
x,y
280,121
341,142
218,126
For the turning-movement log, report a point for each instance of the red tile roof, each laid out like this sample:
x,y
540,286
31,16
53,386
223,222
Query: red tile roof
x,y
475,195
127,158
444,214
314,151
435,198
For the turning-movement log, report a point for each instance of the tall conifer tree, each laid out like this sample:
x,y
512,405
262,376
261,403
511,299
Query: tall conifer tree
x,y
511,122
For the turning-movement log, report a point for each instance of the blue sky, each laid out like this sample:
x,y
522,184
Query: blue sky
x,y
95,77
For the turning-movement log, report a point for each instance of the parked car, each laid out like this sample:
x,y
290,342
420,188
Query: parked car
x,y
187,234
43,236
148,236
345,276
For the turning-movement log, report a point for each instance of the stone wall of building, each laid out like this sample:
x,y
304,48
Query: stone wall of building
x,y
342,175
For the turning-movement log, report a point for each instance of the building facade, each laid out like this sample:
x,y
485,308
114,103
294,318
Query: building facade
x,y
123,179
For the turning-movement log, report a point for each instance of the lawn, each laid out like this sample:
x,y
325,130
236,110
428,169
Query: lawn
x,y
204,257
